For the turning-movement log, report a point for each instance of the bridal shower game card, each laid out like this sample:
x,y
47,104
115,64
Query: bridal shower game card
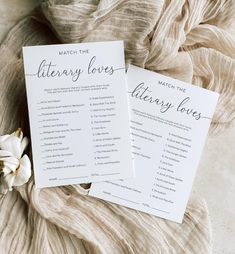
x,y
78,113
169,124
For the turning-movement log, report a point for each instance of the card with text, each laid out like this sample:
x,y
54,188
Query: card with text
x,y
78,113
169,124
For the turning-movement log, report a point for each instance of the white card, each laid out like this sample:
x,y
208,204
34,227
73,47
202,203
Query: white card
x,y
169,124
78,113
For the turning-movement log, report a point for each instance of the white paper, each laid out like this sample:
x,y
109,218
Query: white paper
x,y
78,113
169,124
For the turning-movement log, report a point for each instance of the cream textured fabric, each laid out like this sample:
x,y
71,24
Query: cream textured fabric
x,y
190,40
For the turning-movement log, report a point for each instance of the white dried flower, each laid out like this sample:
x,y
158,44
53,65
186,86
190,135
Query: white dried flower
x,y
15,170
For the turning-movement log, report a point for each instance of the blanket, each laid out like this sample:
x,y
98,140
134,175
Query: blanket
x,y
191,40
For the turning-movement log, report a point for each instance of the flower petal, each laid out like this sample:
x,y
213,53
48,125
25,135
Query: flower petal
x,y
4,153
10,162
2,139
18,133
13,145
24,144
6,170
24,172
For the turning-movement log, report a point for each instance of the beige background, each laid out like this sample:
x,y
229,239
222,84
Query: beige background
x,y
215,179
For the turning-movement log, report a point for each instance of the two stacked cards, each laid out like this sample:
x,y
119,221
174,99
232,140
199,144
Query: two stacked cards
x,y
137,136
